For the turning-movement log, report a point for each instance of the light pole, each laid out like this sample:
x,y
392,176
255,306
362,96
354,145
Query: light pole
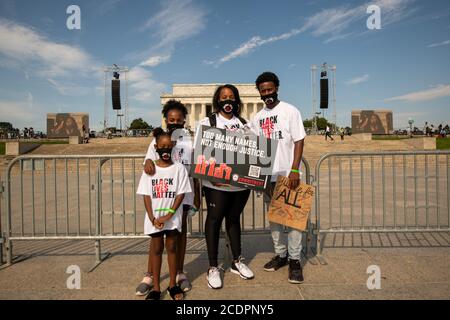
x,y
410,121
313,84
317,114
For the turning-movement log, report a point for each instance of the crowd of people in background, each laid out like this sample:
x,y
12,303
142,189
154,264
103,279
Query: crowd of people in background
x,y
26,133
441,131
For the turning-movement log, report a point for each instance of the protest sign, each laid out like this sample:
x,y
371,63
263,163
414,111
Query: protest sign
x,y
291,207
236,158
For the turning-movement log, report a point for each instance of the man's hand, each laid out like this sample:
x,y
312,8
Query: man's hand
x,y
294,180
149,167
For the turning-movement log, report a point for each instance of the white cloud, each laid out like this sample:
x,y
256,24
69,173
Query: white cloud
x,y
30,101
26,47
177,20
155,60
143,87
252,44
443,43
436,92
107,6
331,22
23,113
70,89
358,80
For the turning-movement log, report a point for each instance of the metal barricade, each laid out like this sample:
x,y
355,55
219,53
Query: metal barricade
x,y
90,197
382,192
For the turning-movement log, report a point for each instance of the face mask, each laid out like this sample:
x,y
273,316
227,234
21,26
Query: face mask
x,y
228,106
165,153
174,126
270,98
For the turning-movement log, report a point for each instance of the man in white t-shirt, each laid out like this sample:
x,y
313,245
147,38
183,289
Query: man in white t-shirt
x,y
283,122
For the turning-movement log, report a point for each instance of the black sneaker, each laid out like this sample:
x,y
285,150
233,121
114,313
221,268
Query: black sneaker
x,y
295,272
276,263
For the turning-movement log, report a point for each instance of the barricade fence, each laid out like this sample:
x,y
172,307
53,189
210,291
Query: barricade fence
x,y
94,198
90,198
382,192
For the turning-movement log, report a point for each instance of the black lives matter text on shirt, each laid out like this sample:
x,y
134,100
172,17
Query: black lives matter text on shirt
x,y
268,125
161,188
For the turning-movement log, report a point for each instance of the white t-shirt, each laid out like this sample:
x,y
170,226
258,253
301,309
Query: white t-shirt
x,y
181,153
283,123
232,124
163,187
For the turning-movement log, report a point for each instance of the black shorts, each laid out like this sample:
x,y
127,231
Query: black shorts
x,y
167,233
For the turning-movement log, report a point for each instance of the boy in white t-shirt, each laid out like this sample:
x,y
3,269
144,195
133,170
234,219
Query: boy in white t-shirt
x,y
163,195
283,122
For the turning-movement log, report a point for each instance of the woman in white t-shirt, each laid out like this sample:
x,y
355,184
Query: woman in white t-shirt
x,y
225,201
163,195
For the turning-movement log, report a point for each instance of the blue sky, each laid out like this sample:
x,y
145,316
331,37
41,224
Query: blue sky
x,y
46,67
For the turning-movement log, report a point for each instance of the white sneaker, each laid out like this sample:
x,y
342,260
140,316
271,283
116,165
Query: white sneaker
x,y
213,278
241,269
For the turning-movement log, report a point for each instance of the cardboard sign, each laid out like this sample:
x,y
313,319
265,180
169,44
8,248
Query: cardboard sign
x,y
234,158
291,208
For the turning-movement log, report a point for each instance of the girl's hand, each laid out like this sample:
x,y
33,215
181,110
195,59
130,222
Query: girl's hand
x,y
158,224
165,218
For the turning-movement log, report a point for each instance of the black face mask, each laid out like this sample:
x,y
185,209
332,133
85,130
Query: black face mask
x,y
228,106
270,98
165,153
174,126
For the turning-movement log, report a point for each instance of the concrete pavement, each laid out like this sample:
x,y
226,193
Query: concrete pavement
x,y
416,267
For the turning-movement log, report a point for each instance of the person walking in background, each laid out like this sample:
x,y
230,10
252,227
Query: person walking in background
x,y
342,132
328,133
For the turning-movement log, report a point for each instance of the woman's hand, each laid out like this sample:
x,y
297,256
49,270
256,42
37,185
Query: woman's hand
x,y
218,184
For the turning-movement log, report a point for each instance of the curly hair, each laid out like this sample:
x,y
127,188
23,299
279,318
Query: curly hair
x,y
267,77
174,105
160,132
237,98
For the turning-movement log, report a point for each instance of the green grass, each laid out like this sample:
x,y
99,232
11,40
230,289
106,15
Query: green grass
x,y
375,137
3,144
51,142
443,143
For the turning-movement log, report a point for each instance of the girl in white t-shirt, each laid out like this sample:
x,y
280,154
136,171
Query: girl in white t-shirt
x,y
225,201
163,195
174,113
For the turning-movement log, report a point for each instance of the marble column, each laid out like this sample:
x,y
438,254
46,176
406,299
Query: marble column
x,y
203,111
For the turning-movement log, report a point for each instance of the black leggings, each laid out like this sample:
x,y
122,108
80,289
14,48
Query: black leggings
x,y
228,205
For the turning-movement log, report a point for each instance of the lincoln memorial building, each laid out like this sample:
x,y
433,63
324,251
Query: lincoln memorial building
x,y
198,100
